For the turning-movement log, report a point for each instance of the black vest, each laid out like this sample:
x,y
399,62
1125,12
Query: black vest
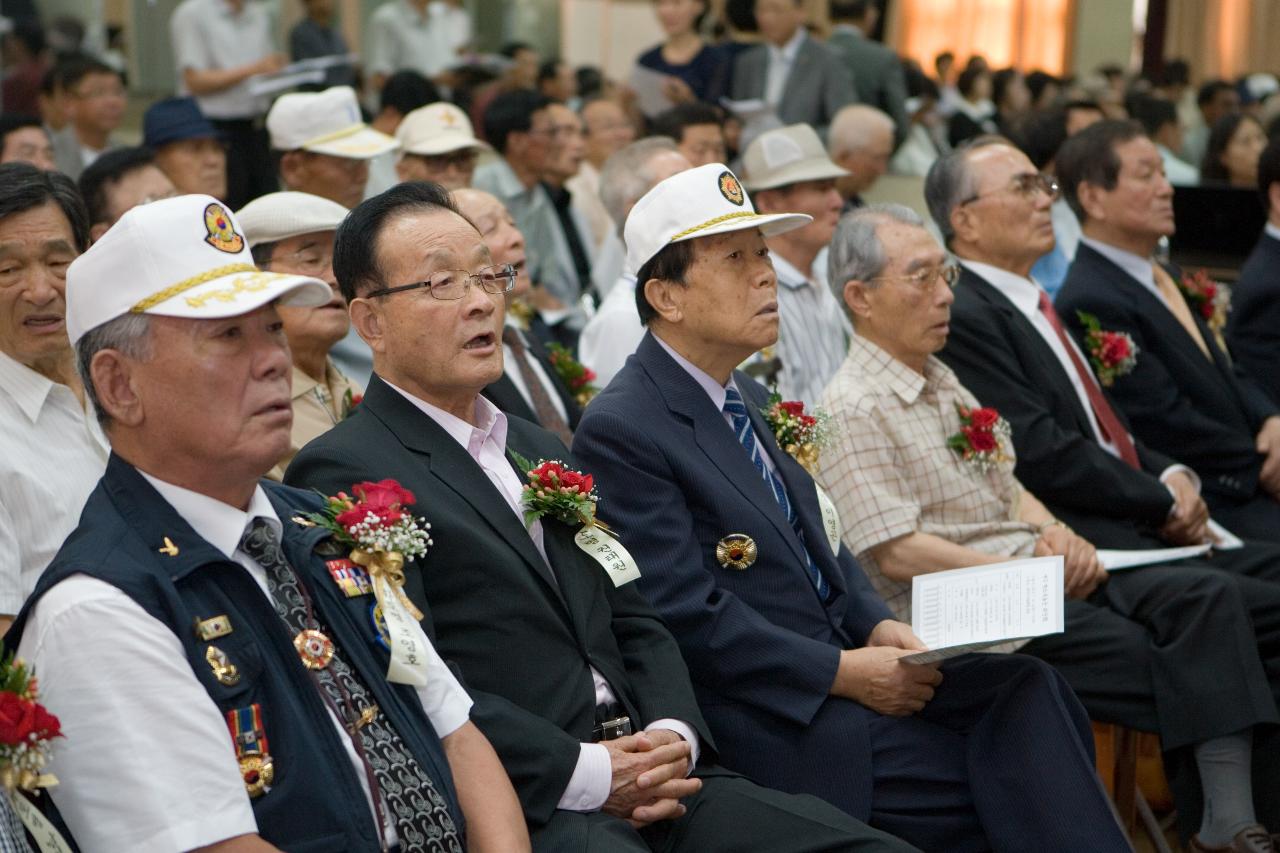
x,y
315,802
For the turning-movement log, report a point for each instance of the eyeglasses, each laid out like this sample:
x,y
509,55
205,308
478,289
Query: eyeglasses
x,y
1024,185
453,284
453,160
926,279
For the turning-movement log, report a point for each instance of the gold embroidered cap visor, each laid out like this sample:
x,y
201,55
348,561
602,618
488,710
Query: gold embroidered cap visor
x,y
698,202
178,257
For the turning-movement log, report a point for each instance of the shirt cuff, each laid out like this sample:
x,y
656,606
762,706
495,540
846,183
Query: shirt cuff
x,y
685,731
1179,469
588,787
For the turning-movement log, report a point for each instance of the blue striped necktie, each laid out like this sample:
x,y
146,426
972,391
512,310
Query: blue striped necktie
x,y
737,410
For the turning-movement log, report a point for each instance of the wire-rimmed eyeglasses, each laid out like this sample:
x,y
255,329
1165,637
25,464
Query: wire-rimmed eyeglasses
x,y
453,284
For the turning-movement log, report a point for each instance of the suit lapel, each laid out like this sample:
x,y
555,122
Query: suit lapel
x,y
713,436
796,81
1028,340
504,395
446,460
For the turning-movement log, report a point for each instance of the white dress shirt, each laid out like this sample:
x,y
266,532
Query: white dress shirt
x,y
813,331
402,38
210,34
613,333
136,719
54,456
1024,293
781,61
512,371
486,443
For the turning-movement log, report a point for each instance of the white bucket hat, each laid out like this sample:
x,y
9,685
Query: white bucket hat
x,y
176,257
785,156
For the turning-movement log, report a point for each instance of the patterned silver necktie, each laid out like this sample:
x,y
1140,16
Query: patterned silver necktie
x,y
420,814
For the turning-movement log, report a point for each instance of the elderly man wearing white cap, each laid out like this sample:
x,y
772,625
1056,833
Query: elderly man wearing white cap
x,y
795,659
437,144
206,646
788,170
292,233
324,145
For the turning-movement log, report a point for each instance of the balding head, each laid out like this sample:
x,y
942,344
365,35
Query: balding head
x,y
860,140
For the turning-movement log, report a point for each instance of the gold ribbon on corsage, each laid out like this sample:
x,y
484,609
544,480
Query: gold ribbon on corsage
x,y
405,637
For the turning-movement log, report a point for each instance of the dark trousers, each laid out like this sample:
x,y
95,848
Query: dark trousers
x,y
729,815
249,170
1001,759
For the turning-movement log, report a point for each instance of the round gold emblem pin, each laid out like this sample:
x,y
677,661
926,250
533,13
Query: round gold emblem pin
x,y
736,551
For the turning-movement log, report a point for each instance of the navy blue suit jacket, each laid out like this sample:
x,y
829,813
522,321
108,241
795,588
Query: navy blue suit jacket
x,y
1206,413
761,647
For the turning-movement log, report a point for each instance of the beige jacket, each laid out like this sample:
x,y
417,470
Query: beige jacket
x,y
316,408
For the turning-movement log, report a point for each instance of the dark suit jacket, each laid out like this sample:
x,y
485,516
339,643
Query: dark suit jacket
x,y
877,75
999,356
761,647
507,397
1253,326
817,87
1207,414
521,635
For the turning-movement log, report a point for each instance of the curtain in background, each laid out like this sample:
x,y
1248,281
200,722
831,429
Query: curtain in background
x,y
1027,34
1224,38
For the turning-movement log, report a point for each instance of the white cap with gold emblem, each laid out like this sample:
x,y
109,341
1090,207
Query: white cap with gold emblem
x,y
696,203
439,128
177,257
327,122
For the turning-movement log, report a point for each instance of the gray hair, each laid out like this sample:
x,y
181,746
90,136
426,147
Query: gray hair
x,y
950,182
626,176
853,126
856,251
128,334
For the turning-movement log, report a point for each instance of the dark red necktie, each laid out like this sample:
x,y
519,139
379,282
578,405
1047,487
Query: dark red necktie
x,y
1110,426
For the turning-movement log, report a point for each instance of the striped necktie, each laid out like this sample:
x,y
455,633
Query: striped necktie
x,y
736,408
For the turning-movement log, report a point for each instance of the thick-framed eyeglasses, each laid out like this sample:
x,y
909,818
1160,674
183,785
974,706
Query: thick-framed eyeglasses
x,y
453,284
926,279
1025,186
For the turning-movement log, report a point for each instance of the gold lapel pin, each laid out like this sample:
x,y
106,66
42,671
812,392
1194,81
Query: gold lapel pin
x,y
169,549
223,669
736,551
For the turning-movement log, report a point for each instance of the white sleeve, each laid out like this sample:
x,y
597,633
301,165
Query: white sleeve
x,y
11,595
190,49
379,54
447,704
146,763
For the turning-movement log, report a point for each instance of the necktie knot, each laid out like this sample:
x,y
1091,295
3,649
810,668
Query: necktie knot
x,y
259,540
734,404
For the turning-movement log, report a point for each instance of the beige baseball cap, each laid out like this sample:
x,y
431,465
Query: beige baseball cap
x,y
279,216
696,203
438,128
327,122
177,257
787,155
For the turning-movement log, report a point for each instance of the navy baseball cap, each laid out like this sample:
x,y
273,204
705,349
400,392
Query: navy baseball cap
x,y
173,120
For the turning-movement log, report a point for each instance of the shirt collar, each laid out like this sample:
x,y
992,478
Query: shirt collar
x,y
875,363
1272,230
491,422
1138,267
790,276
219,524
28,388
1024,293
789,50
714,389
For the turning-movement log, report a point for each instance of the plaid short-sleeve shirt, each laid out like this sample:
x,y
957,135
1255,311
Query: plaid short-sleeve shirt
x,y
889,471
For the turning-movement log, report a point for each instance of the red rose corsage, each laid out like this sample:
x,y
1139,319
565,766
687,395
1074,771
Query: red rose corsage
x,y
1112,354
982,438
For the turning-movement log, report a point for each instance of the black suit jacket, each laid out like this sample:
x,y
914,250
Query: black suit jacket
x,y
1253,326
504,394
1207,413
1001,358
522,635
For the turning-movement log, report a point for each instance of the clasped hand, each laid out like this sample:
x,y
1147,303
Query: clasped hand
x,y
649,781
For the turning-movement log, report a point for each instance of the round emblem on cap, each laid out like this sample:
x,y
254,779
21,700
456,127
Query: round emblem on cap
x,y
730,188
222,234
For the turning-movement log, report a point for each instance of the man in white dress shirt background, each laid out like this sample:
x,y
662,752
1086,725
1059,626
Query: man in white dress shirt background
x,y
54,452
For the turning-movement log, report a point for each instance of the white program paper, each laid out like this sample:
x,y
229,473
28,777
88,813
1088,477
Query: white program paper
x,y
1114,561
1225,540
961,610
